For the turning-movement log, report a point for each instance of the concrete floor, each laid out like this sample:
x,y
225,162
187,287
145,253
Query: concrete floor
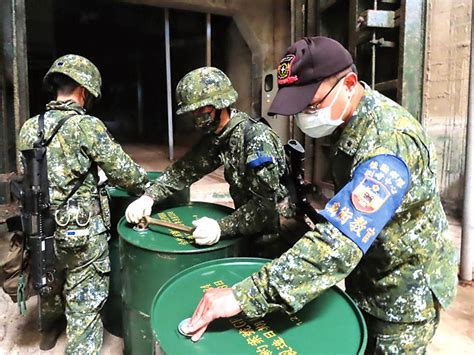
x,y
18,334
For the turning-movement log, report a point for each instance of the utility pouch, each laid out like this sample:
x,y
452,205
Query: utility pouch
x,y
73,222
72,238
102,265
105,207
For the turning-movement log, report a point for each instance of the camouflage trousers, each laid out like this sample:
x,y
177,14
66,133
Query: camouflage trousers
x,y
82,289
399,338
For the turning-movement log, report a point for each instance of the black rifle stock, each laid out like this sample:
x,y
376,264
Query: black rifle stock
x,y
296,154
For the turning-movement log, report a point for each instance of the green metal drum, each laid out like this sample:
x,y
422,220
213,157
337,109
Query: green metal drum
x,y
149,258
119,201
331,324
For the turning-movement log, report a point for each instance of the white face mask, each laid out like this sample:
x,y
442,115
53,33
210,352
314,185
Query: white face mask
x,y
319,123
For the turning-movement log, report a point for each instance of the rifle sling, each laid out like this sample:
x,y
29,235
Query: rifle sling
x,y
45,143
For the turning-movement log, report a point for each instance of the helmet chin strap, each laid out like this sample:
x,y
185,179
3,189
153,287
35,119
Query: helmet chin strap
x,y
88,100
217,115
217,119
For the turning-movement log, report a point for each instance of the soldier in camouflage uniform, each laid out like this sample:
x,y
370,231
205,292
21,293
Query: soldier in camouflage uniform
x,y
385,230
252,155
82,231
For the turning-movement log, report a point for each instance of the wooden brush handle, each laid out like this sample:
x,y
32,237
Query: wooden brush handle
x,y
158,222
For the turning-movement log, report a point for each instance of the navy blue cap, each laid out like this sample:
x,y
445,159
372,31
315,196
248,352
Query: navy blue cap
x,y
302,70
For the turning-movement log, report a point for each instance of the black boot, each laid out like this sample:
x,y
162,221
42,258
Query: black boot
x,y
50,335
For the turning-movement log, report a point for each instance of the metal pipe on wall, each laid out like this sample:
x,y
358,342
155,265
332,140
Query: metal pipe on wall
x,y
467,242
374,53
292,21
139,95
291,120
168,86
208,39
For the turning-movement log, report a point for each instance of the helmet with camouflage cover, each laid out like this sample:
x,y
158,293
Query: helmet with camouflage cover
x,y
78,68
202,87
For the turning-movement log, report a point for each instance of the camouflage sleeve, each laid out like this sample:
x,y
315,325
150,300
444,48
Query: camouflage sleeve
x,y
257,215
265,164
319,260
26,137
19,148
21,167
103,150
202,159
245,219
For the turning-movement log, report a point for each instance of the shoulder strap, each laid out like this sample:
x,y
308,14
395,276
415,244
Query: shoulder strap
x,y
56,129
260,119
45,143
41,125
77,185
40,132
249,124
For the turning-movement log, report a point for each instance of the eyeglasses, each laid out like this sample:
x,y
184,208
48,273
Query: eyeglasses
x,y
313,107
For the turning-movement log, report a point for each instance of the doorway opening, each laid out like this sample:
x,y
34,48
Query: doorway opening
x,y
127,43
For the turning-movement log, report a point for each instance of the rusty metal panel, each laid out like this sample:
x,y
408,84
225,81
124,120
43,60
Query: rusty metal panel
x,y
14,84
14,71
299,11
353,35
386,39
311,28
411,55
377,18
3,107
22,111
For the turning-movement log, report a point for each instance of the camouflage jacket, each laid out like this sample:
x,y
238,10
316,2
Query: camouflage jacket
x,y
410,264
81,141
254,162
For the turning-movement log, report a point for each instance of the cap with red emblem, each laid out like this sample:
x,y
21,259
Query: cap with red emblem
x,y
305,65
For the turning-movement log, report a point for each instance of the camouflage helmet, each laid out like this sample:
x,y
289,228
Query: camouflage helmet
x,y
202,87
80,69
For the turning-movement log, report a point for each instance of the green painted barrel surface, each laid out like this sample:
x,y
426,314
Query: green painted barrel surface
x,y
119,201
331,324
150,258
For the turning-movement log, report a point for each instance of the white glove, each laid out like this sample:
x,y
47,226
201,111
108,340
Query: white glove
x,y
102,177
207,231
138,209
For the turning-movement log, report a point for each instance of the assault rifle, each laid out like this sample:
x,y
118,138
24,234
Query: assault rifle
x,y
37,220
295,153
36,215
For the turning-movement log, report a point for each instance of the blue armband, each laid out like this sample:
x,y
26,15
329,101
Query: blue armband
x,y
260,160
367,203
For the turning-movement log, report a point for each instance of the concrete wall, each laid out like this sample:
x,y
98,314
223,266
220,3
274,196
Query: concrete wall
x,y
446,91
237,68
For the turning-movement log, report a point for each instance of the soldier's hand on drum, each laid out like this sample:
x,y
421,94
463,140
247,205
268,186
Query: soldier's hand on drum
x,y
207,231
216,303
138,209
